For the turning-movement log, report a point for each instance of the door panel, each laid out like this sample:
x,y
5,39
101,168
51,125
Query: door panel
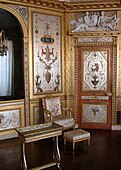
x,y
95,86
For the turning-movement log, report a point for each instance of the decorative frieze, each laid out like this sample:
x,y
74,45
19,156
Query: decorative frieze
x,y
74,5
95,21
95,39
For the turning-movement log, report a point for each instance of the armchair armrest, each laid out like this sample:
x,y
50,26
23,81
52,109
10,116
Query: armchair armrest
x,y
48,114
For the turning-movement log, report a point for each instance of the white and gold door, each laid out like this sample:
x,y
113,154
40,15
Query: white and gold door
x,y
95,86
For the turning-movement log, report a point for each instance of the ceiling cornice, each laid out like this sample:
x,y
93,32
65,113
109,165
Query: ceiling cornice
x,y
92,6
68,6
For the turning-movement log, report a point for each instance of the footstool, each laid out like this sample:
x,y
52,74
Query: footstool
x,y
77,135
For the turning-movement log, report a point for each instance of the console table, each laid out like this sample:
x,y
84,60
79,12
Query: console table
x,y
40,132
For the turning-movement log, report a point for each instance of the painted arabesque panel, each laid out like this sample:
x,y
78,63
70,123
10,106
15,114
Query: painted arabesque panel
x,y
47,53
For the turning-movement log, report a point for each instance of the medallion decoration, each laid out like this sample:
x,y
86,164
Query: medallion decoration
x,y
47,53
95,21
94,113
95,70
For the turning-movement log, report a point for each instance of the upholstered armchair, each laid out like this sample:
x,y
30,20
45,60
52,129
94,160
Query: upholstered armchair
x,y
54,112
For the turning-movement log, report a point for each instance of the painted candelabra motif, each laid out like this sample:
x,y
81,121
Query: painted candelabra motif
x,y
95,70
47,53
9,119
95,21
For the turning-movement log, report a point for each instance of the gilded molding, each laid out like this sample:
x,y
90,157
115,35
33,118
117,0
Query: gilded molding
x,y
76,86
119,74
94,34
19,17
118,103
13,103
89,6
114,84
23,11
26,77
69,6
69,61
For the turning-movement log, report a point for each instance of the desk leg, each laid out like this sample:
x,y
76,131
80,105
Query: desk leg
x,y
56,153
23,161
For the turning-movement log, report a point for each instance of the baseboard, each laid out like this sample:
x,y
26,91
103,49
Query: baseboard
x,y
8,135
116,127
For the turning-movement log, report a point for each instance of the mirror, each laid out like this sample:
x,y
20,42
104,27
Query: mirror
x,y
13,32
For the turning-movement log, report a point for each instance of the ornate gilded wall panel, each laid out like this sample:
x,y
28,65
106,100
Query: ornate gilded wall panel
x,y
37,118
69,59
12,115
118,103
118,76
36,114
47,55
9,119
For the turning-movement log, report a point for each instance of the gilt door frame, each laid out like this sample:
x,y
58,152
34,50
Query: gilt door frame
x,y
88,41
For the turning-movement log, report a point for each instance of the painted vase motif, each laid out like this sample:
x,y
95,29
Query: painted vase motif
x,y
48,76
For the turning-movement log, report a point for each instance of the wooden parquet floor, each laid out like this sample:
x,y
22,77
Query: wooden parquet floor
x,y
104,153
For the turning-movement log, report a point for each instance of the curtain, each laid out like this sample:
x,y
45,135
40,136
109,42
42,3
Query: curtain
x,y
6,65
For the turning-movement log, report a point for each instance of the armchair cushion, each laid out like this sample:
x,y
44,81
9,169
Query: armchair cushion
x,y
66,122
53,105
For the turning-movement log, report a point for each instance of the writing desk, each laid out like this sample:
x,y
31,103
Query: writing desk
x,y
40,132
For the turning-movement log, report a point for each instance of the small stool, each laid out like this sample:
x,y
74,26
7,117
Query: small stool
x,y
77,135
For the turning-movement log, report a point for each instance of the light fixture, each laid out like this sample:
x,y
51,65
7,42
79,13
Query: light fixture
x,y
3,44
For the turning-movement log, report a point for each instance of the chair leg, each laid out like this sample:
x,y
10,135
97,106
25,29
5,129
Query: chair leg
x,y
89,141
73,146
